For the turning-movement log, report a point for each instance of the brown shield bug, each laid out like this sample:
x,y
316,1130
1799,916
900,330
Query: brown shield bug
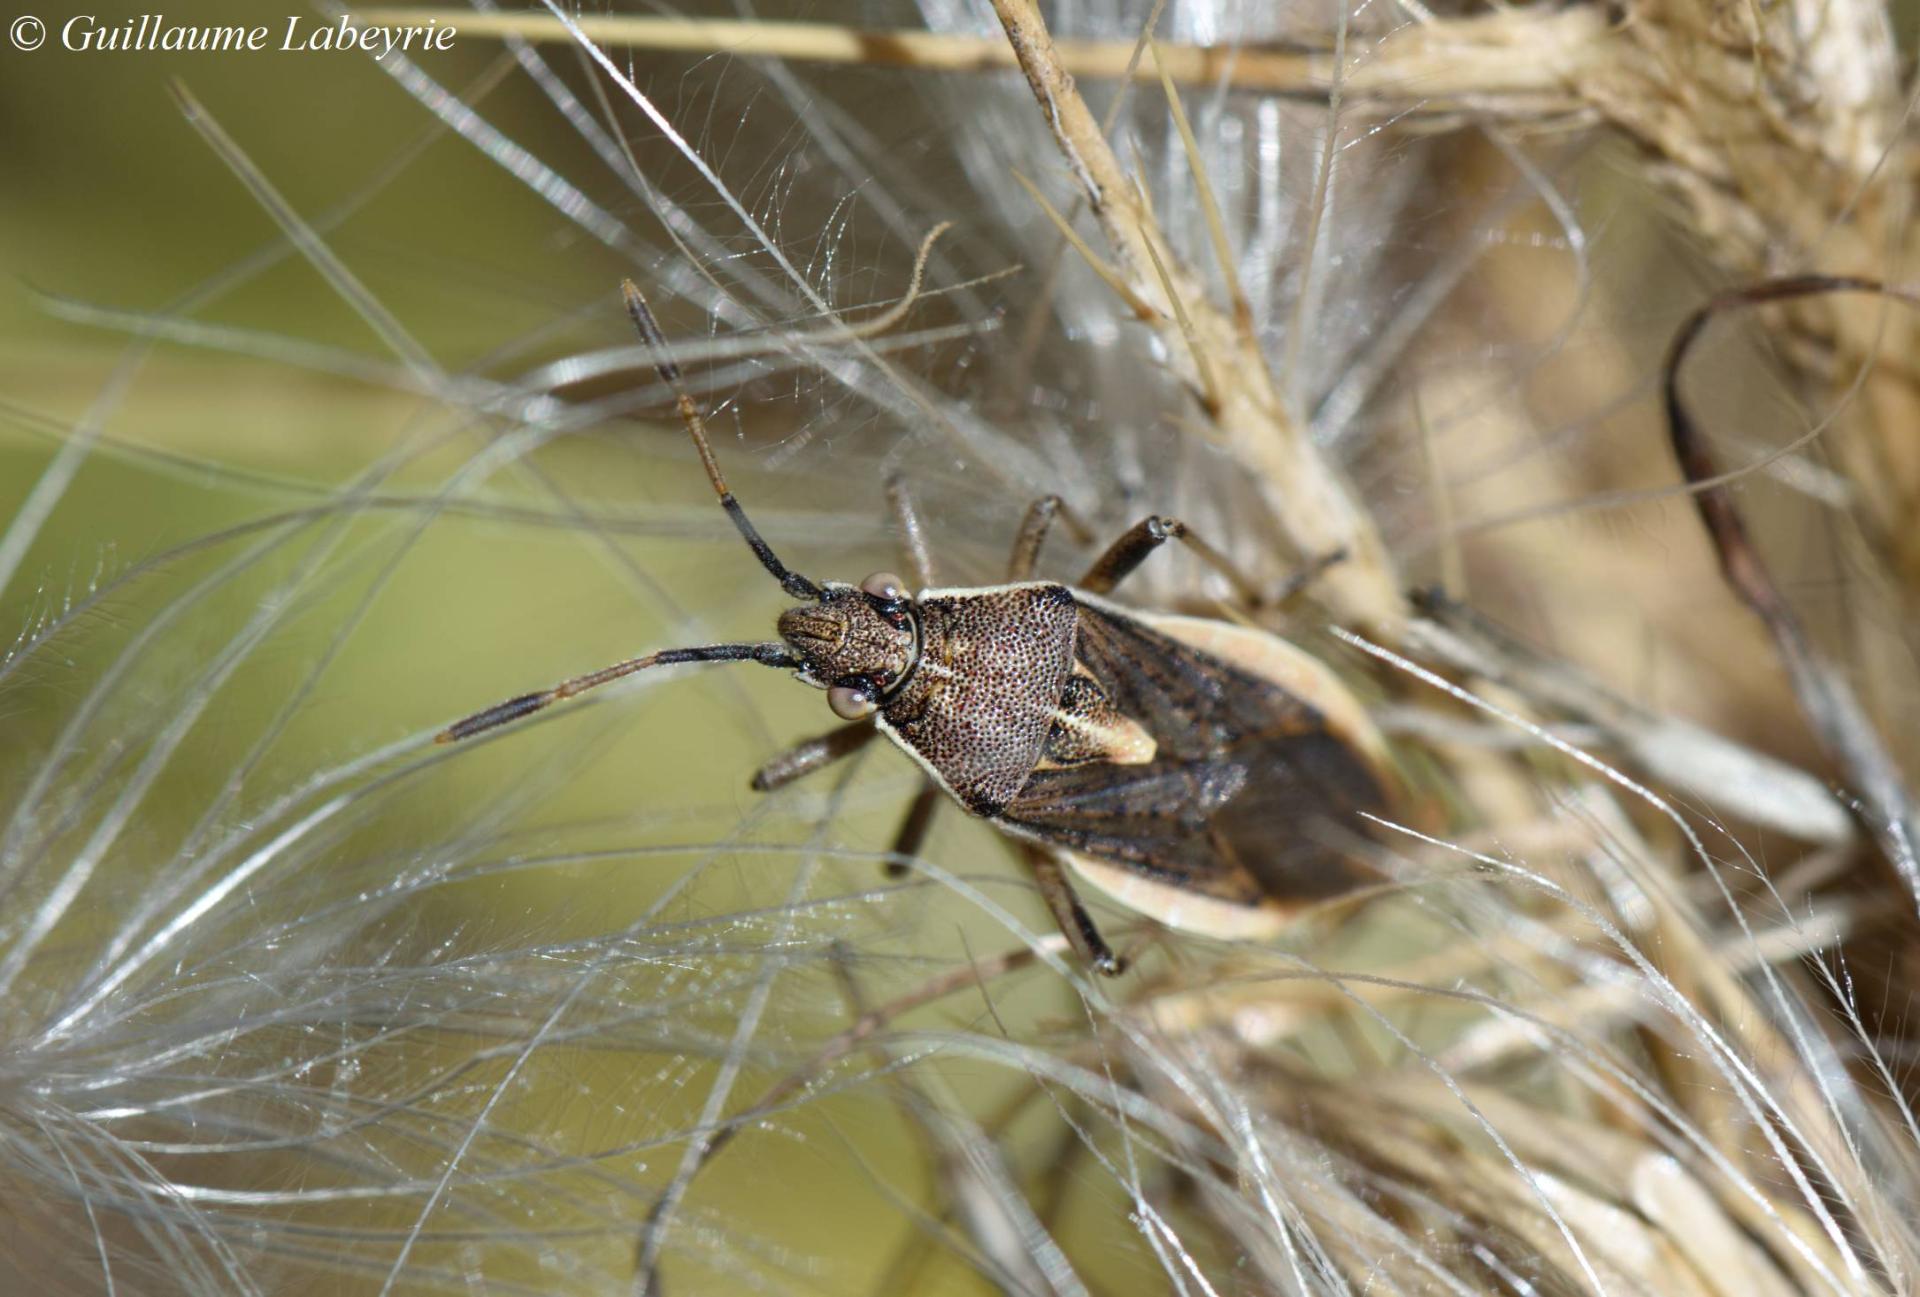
x,y
1207,774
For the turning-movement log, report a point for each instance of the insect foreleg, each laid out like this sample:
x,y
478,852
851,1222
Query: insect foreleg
x,y
1148,535
1070,914
805,758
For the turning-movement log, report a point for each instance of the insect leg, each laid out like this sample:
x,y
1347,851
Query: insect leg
x,y
1307,575
1033,534
1149,534
1070,914
803,759
807,757
913,827
913,533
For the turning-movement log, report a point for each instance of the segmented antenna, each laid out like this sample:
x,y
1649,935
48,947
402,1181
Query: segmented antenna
x,y
773,654
792,582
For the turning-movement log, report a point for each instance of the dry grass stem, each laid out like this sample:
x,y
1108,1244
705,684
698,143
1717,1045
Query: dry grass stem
x,y
298,1001
1309,499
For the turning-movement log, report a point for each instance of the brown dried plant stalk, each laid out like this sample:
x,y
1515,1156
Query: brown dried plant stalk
x,y
1596,1031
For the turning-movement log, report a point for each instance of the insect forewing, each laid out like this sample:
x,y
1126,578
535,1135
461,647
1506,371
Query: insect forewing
x,y
1251,799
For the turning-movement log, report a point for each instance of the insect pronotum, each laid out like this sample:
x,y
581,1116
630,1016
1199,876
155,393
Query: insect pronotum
x,y
1207,774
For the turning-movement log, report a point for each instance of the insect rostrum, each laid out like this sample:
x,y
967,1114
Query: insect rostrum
x,y
1207,774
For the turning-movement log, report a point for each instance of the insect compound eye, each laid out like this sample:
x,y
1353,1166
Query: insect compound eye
x,y
849,703
885,586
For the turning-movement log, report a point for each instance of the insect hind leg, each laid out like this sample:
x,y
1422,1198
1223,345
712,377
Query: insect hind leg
x,y
1149,534
1077,925
914,825
1309,572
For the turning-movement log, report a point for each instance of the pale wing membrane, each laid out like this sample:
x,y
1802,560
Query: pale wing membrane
x,y
1249,799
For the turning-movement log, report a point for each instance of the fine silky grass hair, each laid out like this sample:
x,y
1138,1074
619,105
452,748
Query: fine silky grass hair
x,y
1544,373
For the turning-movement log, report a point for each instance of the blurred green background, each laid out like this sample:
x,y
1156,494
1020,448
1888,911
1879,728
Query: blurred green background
x,y
112,202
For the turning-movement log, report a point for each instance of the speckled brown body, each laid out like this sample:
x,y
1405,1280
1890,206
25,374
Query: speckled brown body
x,y
979,705
1067,721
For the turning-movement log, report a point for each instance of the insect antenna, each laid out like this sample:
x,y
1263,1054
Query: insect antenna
x,y
773,654
792,582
